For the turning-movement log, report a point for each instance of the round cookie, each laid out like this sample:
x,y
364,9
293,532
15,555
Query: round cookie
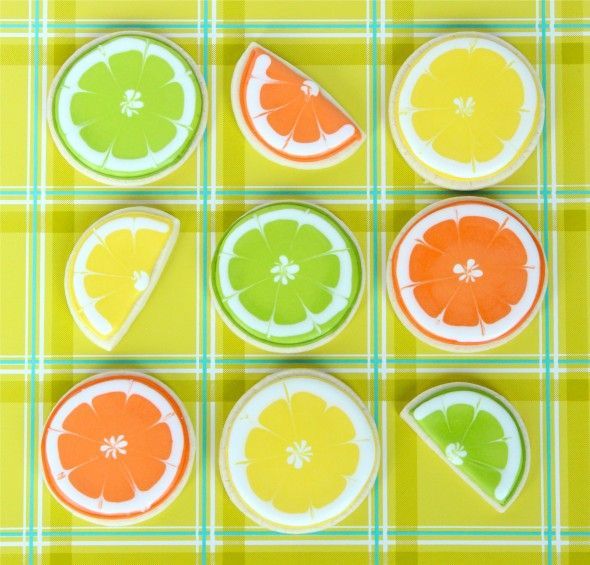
x,y
466,110
466,274
117,448
299,452
128,108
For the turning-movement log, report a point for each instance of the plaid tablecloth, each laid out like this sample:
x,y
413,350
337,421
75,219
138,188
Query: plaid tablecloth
x,y
419,512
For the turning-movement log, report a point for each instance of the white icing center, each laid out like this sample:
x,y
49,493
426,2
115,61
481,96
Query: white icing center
x,y
284,270
299,453
455,453
465,108
114,446
131,103
468,272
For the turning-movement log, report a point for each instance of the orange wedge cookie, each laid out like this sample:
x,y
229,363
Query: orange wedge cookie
x,y
466,110
114,268
117,448
466,274
287,116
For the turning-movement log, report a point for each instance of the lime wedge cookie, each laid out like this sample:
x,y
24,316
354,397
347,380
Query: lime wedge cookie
x,y
466,110
299,452
128,108
478,434
114,268
287,276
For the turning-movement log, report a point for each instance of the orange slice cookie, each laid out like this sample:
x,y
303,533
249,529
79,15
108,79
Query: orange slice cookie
x,y
466,274
117,448
286,116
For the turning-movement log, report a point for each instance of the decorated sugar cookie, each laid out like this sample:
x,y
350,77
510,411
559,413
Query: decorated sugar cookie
x,y
287,276
466,274
287,116
114,268
299,452
466,110
128,108
478,434
117,448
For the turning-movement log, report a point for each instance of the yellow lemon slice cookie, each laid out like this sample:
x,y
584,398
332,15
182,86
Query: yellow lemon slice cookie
x,y
113,269
299,452
466,110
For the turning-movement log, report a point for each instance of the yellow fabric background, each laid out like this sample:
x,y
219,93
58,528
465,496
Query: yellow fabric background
x,y
420,513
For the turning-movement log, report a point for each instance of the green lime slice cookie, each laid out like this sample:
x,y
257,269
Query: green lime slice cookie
x,y
480,436
287,276
128,108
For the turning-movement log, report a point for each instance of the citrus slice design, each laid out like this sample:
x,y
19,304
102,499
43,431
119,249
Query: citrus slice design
x,y
299,452
287,276
466,110
478,434
128,108
287,116
466,274
114,268
117,448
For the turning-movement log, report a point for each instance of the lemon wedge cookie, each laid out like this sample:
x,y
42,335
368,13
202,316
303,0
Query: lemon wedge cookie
x,y
113,269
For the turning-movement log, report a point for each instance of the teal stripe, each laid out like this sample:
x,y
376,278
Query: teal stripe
x,y
291,192
129,192
118,533
34,293
270,25
572,25
122,25
546,246
291,25
271,534
376,309
532,362
575,361
425,361
205,286
122,362
461,25
131,534
291,361
442,192
465,533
